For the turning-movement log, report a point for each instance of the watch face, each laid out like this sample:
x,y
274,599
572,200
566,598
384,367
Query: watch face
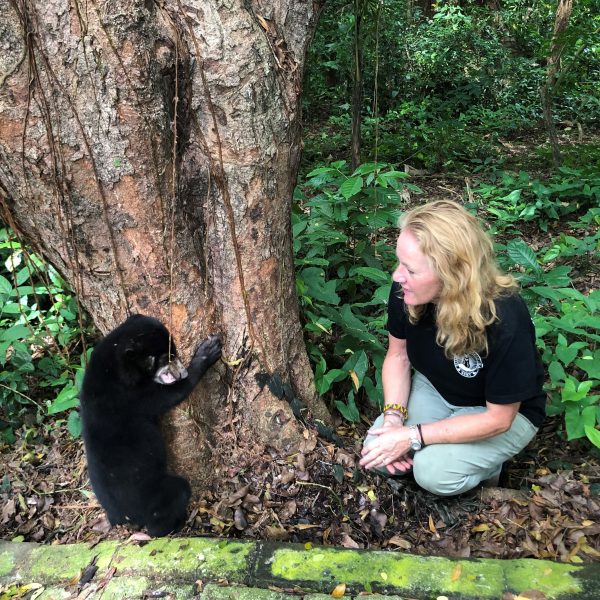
x,y
415,445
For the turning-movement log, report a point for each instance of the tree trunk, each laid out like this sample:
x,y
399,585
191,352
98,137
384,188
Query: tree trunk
x,y
426,7
563,14
357,84
149,151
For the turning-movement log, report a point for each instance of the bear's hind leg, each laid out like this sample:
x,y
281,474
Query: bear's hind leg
x,y
168,510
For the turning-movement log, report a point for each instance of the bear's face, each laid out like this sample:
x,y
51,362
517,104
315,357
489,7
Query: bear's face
x,y
147,353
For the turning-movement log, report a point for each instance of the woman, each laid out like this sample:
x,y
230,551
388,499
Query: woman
x,y
475,397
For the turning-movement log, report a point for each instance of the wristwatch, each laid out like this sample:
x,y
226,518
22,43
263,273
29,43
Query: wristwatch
x,y
415,442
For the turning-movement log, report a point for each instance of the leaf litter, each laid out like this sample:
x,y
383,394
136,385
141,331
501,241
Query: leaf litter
x,y
548,507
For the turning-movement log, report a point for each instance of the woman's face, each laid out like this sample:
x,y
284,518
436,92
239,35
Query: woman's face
x,y
419,282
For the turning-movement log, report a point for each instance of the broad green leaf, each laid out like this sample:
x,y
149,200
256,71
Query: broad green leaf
x,y
521,254
65,400
574,391
566,354
358,364
351,187
374,393
558,277
375,275
5,286
74,424
593,435
556,372
591,365
329,377
16,332
349,410
374,220
573,422
321,171
317,287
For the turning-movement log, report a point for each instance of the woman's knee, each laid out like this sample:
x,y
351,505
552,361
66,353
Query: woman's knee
x,y
442,477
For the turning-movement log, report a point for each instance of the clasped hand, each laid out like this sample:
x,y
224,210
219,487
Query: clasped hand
x,y
389,450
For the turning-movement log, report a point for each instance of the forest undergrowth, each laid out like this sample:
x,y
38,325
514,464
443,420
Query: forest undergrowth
x,y
548,502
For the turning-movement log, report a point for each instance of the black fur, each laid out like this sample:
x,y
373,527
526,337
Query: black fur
x,y
121,403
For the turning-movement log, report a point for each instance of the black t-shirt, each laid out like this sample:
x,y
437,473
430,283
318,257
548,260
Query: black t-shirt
x,y
510,372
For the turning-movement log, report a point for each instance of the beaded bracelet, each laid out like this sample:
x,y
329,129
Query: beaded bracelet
x,y
396,407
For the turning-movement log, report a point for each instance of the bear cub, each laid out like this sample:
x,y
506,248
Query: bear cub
x,y
133,377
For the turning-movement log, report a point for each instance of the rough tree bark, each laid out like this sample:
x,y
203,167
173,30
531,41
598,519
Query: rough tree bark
x,y
149,151
357,83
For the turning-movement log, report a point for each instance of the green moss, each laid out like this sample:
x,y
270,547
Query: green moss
x,y
59,563
215,592
7,563
322,569
121,588
172,557
551,578
178,557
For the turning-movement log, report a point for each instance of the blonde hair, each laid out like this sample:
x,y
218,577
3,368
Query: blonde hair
x,y
462,256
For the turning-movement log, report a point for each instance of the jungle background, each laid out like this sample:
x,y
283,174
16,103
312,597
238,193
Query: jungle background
x,y
495,104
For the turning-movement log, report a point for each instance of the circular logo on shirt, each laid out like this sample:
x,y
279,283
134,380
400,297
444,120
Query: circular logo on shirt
x,y
468,365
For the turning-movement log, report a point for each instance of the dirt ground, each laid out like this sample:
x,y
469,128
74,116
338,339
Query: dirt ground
x,y
548,505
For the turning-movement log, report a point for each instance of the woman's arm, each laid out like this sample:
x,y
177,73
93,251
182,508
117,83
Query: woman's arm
x,y
470,428
396,379
394,439
395,376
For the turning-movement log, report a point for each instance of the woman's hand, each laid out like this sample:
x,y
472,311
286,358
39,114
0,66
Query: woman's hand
x,y
389,449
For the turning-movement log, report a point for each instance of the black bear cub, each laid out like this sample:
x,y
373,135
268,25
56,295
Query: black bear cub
x,y
133,377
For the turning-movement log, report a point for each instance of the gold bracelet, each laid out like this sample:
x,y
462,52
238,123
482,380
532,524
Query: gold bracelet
x,y
399,407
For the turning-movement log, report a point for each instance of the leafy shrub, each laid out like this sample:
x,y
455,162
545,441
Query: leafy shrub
x,y
39,332
343,264
567,322
513,199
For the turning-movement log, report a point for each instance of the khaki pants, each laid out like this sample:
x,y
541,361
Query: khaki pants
x,y
450,469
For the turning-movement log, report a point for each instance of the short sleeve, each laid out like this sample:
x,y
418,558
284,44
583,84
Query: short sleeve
x,y
513,368
396,325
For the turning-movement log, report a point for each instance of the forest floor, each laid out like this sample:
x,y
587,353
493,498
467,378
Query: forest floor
x,y
548,505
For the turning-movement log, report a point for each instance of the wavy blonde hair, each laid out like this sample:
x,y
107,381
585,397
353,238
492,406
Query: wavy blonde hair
x,y
462,256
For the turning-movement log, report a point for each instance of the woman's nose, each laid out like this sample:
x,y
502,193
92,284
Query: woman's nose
x,y
397,275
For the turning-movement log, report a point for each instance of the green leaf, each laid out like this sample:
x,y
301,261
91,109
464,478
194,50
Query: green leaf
x,y
358,364
558,277
574,393
74,424
16,332
521,254
65,400
5,286
321,171
374,220
573,422
351,187
556,372
329,378
374,393
348,411
593,435
317,287
566,354
376,275
338,473
591,365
